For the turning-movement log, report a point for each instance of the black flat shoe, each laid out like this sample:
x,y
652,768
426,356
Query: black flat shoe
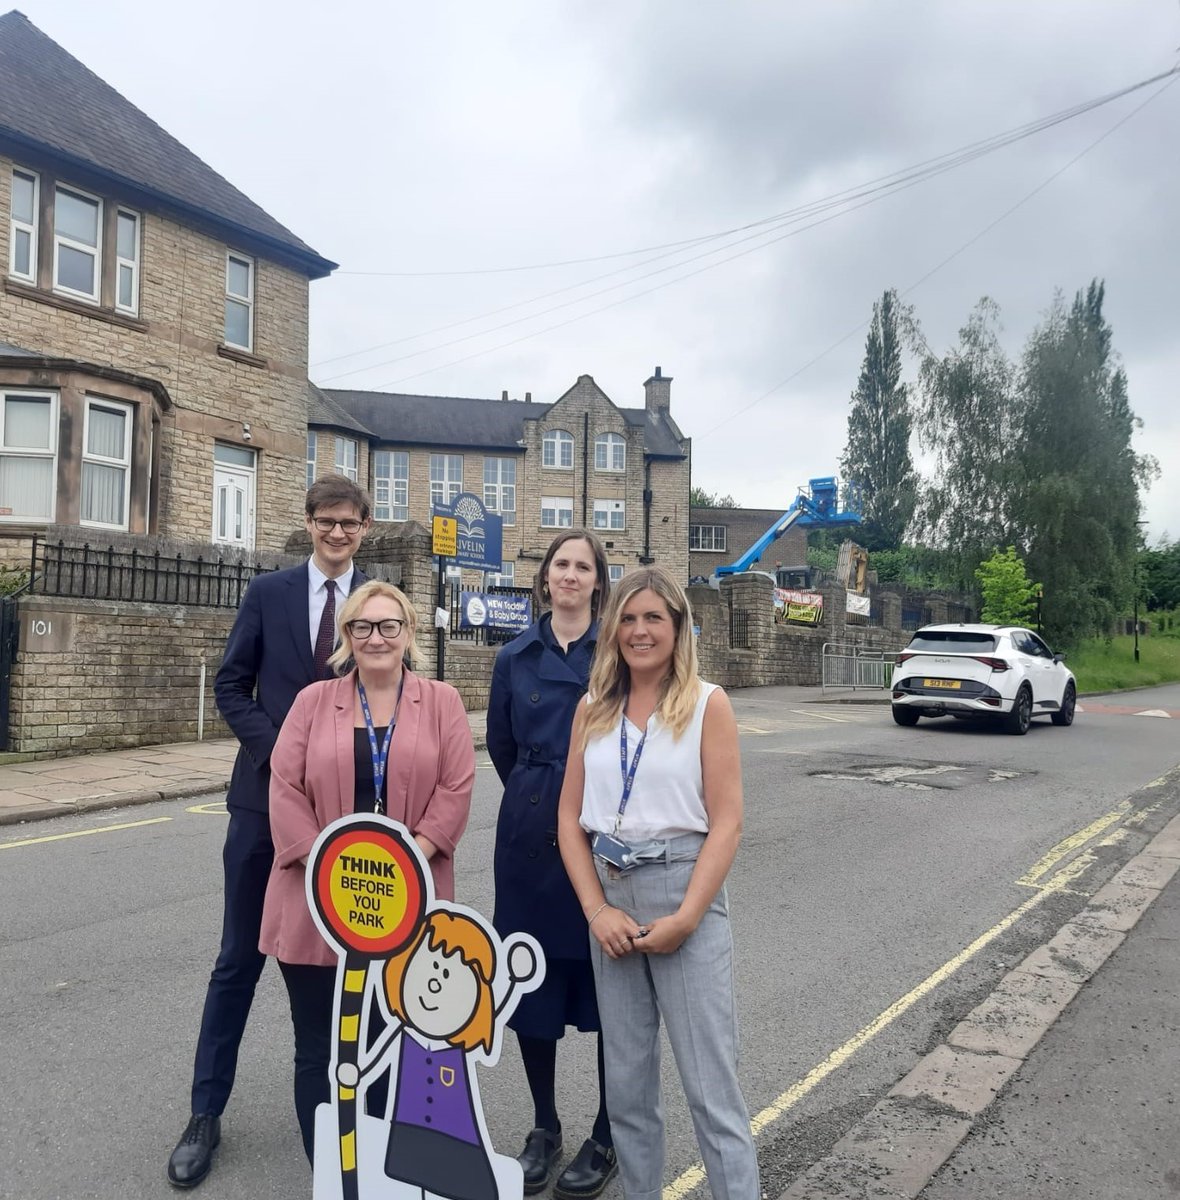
x,y
592,1168
193,1156
538,1158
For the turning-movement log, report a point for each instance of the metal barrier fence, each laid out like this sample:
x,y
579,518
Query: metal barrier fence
x,y
91,573
481,635
855,667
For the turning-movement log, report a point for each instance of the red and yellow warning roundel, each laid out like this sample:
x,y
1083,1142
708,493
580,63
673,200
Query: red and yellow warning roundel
x,y
369,888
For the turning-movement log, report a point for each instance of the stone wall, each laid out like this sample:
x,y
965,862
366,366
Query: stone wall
x,y
92,675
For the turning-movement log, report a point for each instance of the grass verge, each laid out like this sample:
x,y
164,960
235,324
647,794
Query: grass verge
x,y
1106,666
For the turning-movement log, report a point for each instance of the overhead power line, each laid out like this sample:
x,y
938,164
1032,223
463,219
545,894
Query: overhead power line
x,y
767,232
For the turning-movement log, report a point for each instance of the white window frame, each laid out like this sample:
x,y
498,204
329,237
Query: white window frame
x,y
343,466
697,539
610,452
499,493
95,251
556,446
610,515
246,301
554,509
17,225
18,452
615,572
101,460
391,487
446,478
313,445
130,264
504,577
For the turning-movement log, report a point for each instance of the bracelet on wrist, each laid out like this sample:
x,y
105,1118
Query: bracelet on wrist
x,y
590,920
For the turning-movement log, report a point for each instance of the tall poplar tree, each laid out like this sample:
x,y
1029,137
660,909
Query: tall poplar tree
x,y
1079,504
877,454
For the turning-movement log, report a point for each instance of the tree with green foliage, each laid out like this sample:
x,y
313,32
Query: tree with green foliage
x,y
877,455
967,419
1008,596
1159,571
699,498
1077,504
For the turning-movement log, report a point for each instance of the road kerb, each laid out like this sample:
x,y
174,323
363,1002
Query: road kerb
x,y
899,1145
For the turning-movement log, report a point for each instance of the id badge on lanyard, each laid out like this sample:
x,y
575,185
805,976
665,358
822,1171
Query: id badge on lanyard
x,y
609,847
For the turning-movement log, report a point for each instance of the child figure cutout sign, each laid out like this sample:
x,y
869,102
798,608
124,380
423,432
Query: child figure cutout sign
x,y
443,983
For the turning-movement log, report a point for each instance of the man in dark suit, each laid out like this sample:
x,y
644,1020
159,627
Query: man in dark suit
x,y
280,642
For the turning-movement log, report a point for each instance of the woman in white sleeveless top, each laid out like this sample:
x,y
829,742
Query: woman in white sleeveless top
x,y
649,821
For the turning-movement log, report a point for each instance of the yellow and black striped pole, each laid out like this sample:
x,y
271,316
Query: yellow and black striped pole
x,y
352,997
369,890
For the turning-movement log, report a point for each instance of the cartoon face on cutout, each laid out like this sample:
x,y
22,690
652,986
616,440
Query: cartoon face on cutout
x,y
439,992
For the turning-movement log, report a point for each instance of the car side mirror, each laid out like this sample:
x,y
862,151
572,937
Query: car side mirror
x,y
1059,658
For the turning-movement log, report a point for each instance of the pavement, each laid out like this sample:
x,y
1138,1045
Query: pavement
x,y
1063,1082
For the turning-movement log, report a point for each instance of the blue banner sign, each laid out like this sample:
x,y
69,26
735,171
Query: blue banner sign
x,y
479,536
495,610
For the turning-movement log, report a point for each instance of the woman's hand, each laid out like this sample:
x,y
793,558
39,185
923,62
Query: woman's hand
x,y
664,935
615,931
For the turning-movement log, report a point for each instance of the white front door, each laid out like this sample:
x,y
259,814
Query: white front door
x,y
233,506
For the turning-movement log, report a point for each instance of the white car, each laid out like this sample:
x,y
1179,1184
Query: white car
x,y
968,670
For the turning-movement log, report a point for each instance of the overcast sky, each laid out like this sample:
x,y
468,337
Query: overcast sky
x,y
458,137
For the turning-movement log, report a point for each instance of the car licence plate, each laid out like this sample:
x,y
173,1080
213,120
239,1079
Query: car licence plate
x,y
942,683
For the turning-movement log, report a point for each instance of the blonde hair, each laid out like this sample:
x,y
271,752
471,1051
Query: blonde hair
x,y
341,660
448,932
610,677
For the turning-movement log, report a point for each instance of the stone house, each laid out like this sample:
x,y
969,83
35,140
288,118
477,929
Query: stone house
x,y
580,460
153,323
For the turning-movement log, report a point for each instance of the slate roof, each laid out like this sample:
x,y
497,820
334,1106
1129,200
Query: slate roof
x,y
323,410
476,424
52,103
8,350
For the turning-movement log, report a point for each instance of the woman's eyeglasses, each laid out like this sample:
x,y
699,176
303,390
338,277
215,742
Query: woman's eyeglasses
x,y
326,524
390,628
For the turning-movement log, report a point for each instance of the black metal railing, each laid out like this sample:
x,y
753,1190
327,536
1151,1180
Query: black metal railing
x,y
97,573
482,635
739,628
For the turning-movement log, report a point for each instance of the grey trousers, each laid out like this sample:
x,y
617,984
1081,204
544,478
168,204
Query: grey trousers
x,y
692,990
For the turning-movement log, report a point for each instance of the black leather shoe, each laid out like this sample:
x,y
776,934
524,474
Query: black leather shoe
x,y
193,1156
538,1158
592,1168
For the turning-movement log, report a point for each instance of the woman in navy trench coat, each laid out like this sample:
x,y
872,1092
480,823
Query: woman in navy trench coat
x,y
537,682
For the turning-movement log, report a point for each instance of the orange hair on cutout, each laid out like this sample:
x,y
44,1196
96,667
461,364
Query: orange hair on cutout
x,y
448,932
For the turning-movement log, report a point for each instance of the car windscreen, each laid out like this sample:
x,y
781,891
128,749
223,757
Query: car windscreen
x,y
952,641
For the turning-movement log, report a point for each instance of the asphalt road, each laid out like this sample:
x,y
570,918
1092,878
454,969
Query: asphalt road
x,y
877,864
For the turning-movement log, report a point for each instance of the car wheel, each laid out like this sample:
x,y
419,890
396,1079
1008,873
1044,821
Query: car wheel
x,y
1020,718
1069,702
905,716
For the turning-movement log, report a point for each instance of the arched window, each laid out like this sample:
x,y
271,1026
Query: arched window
x,y
610,452
557,450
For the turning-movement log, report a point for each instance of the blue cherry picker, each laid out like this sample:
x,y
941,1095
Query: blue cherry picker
x,y
816,506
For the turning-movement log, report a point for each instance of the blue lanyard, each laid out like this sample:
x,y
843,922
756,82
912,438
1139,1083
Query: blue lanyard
x,y
380,758
627,771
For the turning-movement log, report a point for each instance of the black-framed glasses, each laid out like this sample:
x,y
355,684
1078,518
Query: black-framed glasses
x,y
326,524
390,628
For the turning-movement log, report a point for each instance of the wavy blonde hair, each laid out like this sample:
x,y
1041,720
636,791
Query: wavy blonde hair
x,y
610,677
341,660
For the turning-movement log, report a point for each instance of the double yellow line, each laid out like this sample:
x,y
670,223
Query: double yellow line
x,y
691,1178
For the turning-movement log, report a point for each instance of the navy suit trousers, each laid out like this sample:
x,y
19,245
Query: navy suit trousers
x,y
247,857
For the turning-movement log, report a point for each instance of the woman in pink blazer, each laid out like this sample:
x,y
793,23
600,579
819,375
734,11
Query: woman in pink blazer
x,y
377,739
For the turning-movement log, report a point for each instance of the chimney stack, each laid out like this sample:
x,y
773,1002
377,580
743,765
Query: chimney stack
x,y
504,394
658,391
